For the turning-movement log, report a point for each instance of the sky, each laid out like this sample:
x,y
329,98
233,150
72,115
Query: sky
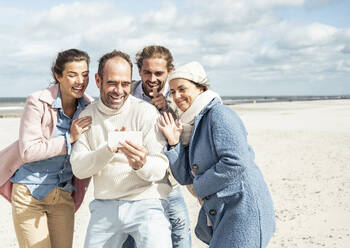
x,y
247,47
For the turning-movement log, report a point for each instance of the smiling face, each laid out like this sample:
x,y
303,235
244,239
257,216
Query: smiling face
x,y
115,84
154,74
184,92
74,79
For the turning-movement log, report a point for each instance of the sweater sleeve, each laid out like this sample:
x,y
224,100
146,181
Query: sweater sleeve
x,y
229,140
86,162
33,145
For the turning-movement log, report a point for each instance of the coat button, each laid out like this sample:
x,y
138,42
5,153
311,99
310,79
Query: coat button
x,y
195,167
212,212
207,197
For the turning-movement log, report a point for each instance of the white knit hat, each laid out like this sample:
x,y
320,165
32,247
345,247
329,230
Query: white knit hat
x,y
192,71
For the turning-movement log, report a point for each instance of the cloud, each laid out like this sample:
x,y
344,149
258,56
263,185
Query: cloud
x,y
299,37
317,3
237,41
345,49
163,17
268,4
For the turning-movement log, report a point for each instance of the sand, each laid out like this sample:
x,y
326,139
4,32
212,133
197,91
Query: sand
x,y
303,150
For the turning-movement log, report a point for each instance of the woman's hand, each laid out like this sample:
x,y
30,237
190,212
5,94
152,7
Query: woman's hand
x,y
79,126
172,130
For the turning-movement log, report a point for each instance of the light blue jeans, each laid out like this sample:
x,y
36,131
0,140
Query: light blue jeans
x,y
179,219
112,221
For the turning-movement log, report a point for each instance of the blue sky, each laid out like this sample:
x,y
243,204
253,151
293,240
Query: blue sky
x,y
248,47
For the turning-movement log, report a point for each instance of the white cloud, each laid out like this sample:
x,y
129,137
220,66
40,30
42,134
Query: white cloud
x,y
164,16
241,41
315,34
344,65
268,4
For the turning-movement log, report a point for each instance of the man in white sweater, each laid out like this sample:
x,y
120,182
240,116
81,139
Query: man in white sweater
x,y
130,183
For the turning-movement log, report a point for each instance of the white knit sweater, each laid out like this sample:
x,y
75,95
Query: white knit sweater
x,y
113,177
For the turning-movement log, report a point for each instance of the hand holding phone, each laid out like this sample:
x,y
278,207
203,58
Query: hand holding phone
x,y
115,137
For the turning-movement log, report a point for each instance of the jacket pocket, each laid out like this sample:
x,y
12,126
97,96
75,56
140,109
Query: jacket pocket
x,y
230,190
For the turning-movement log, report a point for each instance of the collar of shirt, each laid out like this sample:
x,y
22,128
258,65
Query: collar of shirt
x,y
139,93
57,103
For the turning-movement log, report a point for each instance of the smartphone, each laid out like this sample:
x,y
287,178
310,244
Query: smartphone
x,y
115,137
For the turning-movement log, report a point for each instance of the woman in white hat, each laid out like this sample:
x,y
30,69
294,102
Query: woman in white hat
x,y
207,147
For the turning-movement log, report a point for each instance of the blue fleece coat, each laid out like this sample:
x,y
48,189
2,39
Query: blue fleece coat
x,y
236,197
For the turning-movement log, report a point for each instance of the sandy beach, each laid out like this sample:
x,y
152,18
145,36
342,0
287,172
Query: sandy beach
x,y
303,150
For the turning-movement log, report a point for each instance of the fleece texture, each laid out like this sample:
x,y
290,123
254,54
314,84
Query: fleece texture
x,y
236,198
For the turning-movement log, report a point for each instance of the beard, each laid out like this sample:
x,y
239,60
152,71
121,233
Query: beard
x,y
148,86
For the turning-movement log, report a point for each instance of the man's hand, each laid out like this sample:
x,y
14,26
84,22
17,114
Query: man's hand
x,y
135,154
158,100
79,126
